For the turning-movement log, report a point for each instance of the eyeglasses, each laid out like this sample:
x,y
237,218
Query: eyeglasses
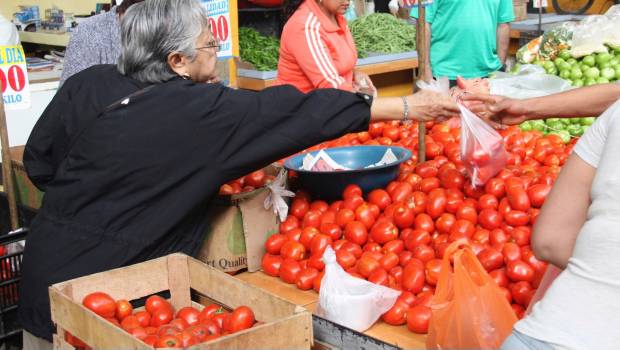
x,y
213,44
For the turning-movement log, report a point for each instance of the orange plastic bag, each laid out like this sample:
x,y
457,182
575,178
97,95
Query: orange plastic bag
x,y
469,311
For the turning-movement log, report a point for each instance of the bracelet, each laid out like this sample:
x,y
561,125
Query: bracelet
x,y
405,109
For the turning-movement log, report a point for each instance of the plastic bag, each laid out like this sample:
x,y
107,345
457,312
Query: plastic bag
x,y
482,148
277,192
469,311
530,52
550,275
556,39
613,37
352,302
590,36
529,81
440,85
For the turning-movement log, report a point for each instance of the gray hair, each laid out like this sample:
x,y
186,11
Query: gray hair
x,y
153,29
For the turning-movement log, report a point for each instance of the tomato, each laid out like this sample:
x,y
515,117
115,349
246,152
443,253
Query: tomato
x,y
521,235
123,309
299,208
379,276
319,205
417,202
312,219
220,317
462,229
344,216
319,243
365,214
383,232
351,191
426,170
401,192
372,247
100,303
345,258
179,324
353,248
403,216
366,265
161,316
201,331
274,243
328,217
379,198
167,330
138,332
294,234
169,341
391,132
436,204
151,340
189,315
305,279
498,237
397,315
517,218
356,232
331,230
495,187
537,194
389,260
404,257
413,276
466,212
418,237
406,296
489,219
522,293
511,252
307,234
423,253
130,322
353,202
429,184
289,270
472,191
488,201
144,318
418,318
481,236
518,198
499,276
396,246
271,264
490,259
538,265
188,339
424,222
255,179
519,271
432,271
335,206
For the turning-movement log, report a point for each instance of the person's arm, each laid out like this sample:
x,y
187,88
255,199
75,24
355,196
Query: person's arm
x,y
576,103
503,41
564,213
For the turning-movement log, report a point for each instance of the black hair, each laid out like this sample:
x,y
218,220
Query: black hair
x,y
290,6
120,9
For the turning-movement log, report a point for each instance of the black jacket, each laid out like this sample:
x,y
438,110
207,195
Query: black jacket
x,y
133,183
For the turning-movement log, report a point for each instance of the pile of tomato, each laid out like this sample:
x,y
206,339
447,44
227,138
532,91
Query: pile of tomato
x,y
397,236
158,325
248,183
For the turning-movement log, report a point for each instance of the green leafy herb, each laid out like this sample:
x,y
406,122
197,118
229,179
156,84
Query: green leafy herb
x,y
259,50
382,33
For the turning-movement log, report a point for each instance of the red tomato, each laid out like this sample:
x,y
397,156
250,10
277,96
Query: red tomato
x,y
366,265
312,219
462,229
274,243
491,259
403,216
432,271
353,202
413,276
130,322
522,293
316,284
319,243
481,236
169,341
321,206
144,318
401,192
517,198
488,201
353,248
444,223
220,317
424,222
293,250
511,252
423,253
379,198
389,260
189,315
352,190
521,235
489,219
255,179
372,247
271,264
331,230
179,323
538,193
495,187
305,279
365,214
299,208
498,237
294,234
395,246
429,184
426,170
466,212
408,297
418,318
417,202
379,276
307,234
519,271
517,218
538,265
344,216
123,309
161,316
356,232
289,270
436,204
397,315
404,257
452,179
383,232
417,237
100,303
345,258
499,276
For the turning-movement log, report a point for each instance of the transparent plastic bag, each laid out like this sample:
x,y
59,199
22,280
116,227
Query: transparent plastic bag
x,y
482,148
590,36
440,85
613,37
529,81
469,311
349,301
556,39
529,52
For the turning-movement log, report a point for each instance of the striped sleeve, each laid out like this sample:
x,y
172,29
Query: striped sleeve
x,y
312,56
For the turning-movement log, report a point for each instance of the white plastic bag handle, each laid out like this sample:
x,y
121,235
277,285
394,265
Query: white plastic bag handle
x,y
275,199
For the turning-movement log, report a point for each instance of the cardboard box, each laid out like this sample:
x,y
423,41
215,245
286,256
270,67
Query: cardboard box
x,y
239,225
26,193
287,326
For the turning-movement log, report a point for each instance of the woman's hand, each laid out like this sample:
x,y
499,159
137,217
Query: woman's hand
x,y
498,110
427,106
363,84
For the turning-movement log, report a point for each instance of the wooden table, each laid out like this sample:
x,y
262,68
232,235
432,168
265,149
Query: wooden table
x,y
392,337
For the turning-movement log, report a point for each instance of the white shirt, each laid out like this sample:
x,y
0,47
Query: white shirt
x,y
8,33
581,309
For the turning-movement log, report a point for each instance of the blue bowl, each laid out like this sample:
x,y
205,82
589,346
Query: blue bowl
x,y
329,185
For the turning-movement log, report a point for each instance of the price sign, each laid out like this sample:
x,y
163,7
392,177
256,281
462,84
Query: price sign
x,y
14,78
219,19
414,3
540,3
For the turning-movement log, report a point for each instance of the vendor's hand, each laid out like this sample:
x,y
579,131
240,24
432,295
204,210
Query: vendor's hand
x,y
363,84
498,111
427,105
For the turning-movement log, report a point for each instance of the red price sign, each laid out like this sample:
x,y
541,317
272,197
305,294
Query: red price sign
x,y
14,78
219,27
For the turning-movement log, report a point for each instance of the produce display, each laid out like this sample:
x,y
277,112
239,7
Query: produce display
x,y
600,68
397,236
248,183
260,50
159,326
382,33
564,128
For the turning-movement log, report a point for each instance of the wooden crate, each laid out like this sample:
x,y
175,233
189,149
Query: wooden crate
x,y
179,274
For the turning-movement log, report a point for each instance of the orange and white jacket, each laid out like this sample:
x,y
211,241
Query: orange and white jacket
x,y
316,53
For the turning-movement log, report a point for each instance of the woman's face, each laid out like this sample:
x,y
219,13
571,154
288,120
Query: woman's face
x,y
335,6
202,68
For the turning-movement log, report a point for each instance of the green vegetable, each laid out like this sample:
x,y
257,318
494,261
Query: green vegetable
x,y
538,125
526,126
259,50
575,130
382,33
588,121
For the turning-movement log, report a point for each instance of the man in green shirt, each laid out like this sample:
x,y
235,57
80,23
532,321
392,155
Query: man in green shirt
x,y
468,38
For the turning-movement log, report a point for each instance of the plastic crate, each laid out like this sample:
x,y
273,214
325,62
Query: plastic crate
x,y
10,275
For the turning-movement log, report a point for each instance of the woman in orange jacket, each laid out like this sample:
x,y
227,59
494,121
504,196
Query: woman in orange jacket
x,y
317,49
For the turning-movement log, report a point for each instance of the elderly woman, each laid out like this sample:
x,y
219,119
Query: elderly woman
x,y
130,156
